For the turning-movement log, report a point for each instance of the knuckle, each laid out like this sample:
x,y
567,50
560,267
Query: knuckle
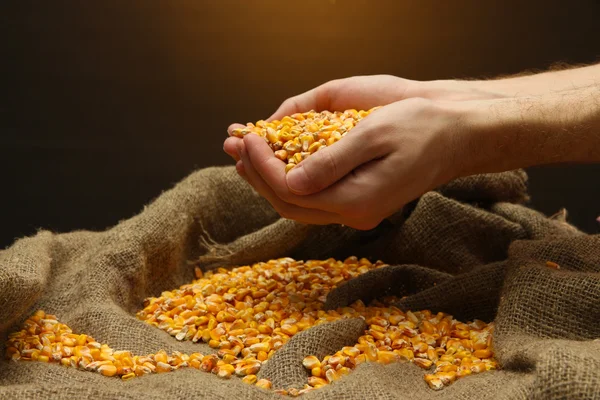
x,y
296,103
291,103
376,135
419,105
332,84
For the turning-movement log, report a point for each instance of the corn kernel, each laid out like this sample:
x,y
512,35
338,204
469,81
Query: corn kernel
x,y
249,379
247,313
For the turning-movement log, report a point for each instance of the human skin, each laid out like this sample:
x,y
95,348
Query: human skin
x,y
425,135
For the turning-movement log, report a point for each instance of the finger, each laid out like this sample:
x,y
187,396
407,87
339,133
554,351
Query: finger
x,y
359,197
230,147
368,195
301,103
272,171
315,99
341,198
239,167
286,210
330,164
270,168
231,127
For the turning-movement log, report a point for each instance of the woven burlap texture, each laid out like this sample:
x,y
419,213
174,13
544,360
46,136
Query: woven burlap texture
x,y
470,248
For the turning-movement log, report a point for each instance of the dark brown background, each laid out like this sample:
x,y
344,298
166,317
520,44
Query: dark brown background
x,y
107,103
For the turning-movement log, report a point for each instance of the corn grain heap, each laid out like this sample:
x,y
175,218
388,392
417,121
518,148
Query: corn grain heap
x,y
299,135
247,313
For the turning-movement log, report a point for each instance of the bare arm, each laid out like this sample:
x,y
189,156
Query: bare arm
x,y
521,85
555,127
427,134
547,82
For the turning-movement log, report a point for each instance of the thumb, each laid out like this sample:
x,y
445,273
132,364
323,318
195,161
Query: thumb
x,y
332,163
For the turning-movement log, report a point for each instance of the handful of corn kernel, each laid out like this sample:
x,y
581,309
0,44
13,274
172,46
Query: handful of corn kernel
x,y
299,135
246,314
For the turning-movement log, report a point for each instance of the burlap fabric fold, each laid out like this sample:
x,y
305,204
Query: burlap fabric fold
x,y
470,248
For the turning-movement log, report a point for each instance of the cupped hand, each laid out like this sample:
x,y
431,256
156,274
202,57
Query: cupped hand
x,y
366,92
358,92
390,158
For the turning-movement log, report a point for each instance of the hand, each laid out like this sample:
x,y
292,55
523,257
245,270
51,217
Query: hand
x,y
427,134
362,92
365,92
390,158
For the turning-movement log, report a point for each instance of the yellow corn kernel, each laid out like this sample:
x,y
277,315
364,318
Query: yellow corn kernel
x,y
259,347
107,370
483,353
289,329
314,381
248,313
313,148
225,371
331,375
281,154
229,358
434,381
208,363
386,357
250,379
271,135
161,356
336,359
311,362
163,367
423,363
447,377
128,376
264,383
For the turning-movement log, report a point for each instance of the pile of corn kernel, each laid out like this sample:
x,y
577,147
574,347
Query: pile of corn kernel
x,y
299,135
247,313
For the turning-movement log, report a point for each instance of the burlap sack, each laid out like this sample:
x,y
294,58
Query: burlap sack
x,y
469,249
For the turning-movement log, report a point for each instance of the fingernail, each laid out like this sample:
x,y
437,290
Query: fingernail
x,y
297,180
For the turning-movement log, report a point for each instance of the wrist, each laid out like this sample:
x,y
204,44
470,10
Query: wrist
x,y
485,140
487,137
457,90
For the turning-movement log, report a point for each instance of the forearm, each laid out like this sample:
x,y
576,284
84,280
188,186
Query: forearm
x,y
507,87
543,83
505,134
